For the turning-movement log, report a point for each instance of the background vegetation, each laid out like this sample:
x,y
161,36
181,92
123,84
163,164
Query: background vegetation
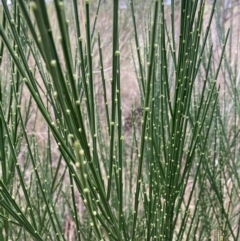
x,y
119,123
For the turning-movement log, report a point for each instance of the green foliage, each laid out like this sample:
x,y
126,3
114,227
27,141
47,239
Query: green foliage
x,y
177,179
